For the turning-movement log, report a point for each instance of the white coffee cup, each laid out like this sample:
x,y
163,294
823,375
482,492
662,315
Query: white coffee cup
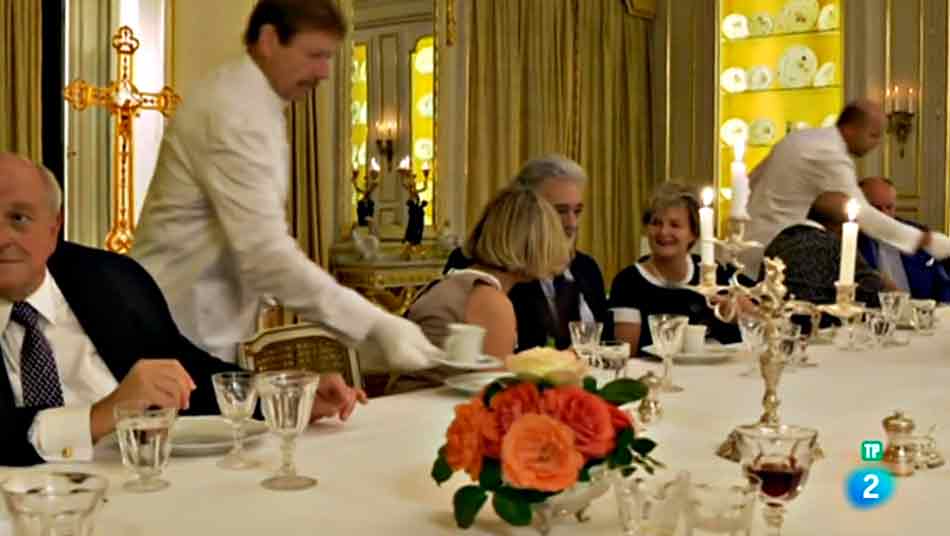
x,y
464,343
694,341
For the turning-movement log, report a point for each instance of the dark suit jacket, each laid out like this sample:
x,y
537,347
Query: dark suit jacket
x,y
536,323
124,314
926,277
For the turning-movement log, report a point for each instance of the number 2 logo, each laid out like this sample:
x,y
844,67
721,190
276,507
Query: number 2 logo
x,y
869,492
869,487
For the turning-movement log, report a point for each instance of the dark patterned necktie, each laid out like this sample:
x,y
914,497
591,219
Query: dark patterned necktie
x,y
38,373
567,302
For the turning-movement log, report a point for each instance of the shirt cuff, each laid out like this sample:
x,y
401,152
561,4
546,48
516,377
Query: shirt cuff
x,y
627,314
63,434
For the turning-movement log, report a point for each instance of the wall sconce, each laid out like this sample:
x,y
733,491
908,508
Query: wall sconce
x,y
385,134
900,105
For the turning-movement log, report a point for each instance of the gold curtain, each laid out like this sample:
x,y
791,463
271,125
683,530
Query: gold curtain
x,y
21,113
566,76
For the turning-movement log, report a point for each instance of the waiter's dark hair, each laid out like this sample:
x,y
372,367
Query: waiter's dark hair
x,y
853,114
291,16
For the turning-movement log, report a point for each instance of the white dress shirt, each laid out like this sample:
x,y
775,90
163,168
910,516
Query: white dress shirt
x,y
214,231
59,434
805,164
547,285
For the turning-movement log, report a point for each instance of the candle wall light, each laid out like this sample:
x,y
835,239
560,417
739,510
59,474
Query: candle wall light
x,y
385,136
900,105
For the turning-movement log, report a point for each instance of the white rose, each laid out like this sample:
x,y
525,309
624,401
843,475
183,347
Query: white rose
x,y
555,366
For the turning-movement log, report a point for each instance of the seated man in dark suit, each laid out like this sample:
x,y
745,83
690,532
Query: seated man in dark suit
x,y
85,329
543,309
917,274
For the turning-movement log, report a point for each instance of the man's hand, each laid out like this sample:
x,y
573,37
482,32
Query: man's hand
x,y
334,397
159,382
403,343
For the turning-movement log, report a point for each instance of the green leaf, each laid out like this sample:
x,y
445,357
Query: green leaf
x,y
512,508
620,457
584,475
623,391
493,389
590,384
466,503
627,471
625,439
643,445
530,496
490,477
440,469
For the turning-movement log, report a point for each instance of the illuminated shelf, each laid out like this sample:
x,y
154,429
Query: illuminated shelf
x,y
759,38
781,90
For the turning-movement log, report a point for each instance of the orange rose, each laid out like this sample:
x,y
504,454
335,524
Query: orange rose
x,y
465,441
538,453
587,415
515,401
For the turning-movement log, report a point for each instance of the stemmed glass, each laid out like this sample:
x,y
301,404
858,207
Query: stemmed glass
x,y
780,457
237,398
752,329
924,316
585,336
145,434
54,503
893,305
667,332
287,400
614,356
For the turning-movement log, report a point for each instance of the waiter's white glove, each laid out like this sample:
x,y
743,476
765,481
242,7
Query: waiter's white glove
x,y
404,345
939,245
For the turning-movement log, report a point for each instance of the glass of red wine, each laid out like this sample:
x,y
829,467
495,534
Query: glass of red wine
x,y
780,457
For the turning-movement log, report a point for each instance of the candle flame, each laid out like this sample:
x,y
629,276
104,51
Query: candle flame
x,y
726,193
708,195
404,163
425,165
374,165
852,208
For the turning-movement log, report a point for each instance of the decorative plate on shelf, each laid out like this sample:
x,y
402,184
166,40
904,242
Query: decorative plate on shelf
x,y
735,26
359,155
825,75
762,132
761,24
425,60
426,105
733,131
797,67
733,80
424,149
799,15
829,120
760,77
828,18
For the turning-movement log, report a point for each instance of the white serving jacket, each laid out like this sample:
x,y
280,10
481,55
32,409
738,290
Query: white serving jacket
x,y
805,164
213,230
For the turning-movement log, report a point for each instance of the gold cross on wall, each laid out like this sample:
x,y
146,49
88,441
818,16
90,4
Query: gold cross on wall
x,y
124,102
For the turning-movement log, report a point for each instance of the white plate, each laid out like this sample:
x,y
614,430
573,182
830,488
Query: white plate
x,y
425,60
760,77
484,362
825,75
712,354
735,26
761,24
733,131
733,80
424,149
205,435
799,15
474,382
426,105
797,67
829,120
762,132
828,17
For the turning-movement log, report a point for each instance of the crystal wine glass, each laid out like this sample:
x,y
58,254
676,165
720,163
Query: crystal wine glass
x,y
780,457
667,332
54,503
287,400
144,433
613,356
585,336
893,305
924,316
237,398
752,329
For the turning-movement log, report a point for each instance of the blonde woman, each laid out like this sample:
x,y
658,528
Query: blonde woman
x,y
518,238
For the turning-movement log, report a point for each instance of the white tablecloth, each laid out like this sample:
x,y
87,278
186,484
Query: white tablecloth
x,y
374,470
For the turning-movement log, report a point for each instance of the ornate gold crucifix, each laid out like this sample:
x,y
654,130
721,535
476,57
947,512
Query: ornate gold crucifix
x,y
125,102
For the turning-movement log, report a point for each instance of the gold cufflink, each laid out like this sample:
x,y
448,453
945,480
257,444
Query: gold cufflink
x,y
67,452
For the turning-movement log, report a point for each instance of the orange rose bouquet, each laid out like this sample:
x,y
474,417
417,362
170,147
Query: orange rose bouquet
x,y
526,438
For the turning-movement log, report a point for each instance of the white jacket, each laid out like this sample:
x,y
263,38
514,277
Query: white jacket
x,y
213,229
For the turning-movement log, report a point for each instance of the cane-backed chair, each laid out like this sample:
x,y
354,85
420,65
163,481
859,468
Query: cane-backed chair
x,y
300,346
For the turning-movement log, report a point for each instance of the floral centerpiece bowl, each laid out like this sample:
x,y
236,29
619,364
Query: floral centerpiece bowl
x,y
540,443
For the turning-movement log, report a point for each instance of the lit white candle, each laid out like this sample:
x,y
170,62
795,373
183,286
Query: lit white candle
x,y
706,222
740,183
374,165
425,165
404,163
849,245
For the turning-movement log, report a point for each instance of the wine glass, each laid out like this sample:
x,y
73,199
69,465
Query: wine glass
x,y
893,305
237,397
780,457
667,332
144,433
287,400
720,505
924,316
613,356
53,503
752,329
585,336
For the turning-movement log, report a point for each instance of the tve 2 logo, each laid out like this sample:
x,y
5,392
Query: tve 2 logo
x,y
872,486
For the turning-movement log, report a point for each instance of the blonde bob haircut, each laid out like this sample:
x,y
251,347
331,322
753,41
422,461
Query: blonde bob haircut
x,y
520,232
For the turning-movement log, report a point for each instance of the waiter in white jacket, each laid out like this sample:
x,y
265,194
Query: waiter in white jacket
x,y
807,163
213,230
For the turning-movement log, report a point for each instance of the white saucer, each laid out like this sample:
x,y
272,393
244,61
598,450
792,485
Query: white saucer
x,y
484,362
205,435
474,382
712,354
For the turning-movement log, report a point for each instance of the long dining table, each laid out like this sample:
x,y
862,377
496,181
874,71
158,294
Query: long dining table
x,y
374,478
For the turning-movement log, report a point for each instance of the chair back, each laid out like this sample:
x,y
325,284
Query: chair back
x,y
302,347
